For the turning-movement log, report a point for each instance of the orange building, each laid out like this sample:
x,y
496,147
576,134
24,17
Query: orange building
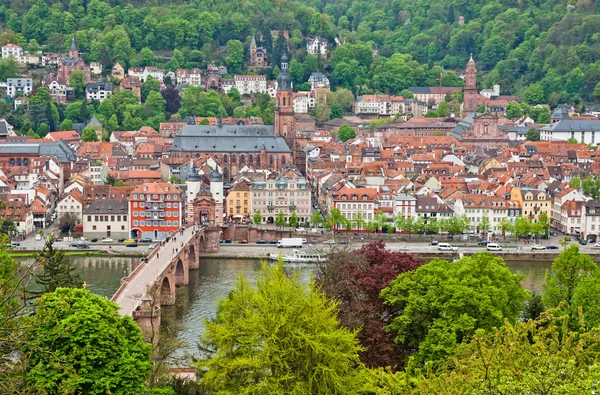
x,y
155,210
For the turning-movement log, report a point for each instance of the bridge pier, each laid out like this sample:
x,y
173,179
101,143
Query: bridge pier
x,y
147,316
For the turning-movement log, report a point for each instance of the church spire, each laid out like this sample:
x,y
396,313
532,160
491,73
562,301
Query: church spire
x,y
253,44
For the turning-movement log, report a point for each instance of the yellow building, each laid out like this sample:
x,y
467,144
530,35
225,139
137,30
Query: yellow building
x,y
533,203
237,203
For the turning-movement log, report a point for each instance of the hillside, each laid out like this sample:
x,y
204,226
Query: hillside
x,y
546,50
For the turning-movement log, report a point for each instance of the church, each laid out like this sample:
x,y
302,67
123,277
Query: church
x,y
68,64
237,146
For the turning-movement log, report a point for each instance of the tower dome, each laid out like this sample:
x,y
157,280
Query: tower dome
x,y
284,80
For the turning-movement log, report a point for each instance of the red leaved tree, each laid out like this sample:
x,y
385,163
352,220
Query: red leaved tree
x,y
355,279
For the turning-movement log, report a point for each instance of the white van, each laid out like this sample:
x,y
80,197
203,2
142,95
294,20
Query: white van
x,y
446,247
494,247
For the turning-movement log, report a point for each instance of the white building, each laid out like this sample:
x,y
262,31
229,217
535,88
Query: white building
x,y
12,50
356,202
250,84
560,199
98,91
154,72
317,46
69,205
189,77
106,218
489,93
584,131
285,192
304,102
18,87
96,68
373,105
590,220
58,91
404,205
318,80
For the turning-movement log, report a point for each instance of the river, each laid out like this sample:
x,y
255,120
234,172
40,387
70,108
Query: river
x,y
215,278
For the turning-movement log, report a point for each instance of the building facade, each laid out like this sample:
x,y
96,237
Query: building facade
x,y
156,210
71,62
106,218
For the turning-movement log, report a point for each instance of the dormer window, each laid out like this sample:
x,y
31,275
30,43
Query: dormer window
x,y
344,197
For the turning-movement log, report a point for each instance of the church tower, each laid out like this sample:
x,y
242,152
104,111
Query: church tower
x,y
470,90
73,51
285,121
253,52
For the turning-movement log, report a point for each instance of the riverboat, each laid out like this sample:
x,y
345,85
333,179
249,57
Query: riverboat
x,y
300,257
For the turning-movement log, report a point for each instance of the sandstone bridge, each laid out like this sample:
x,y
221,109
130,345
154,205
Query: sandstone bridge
x,y
151,285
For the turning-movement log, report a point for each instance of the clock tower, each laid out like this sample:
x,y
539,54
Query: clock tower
x,y
470,95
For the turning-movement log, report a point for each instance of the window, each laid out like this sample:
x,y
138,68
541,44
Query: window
x,y
122,227
175,223
141,196
134,204
175,205
142,223
89,218
112,218
135,196
93,227
142,204
135,222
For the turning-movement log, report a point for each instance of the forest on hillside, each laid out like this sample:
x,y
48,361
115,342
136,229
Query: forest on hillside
x,y
548,51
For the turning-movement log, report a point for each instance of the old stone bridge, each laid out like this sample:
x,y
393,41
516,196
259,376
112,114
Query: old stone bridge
x,y
151,285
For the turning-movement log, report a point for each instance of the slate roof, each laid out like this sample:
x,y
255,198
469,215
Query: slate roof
x,y
57,149
101,206
571,125
228,138
464,125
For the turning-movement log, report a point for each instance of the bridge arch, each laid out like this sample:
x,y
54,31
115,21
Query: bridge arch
x,y
201,244
167,291
192,258
181,273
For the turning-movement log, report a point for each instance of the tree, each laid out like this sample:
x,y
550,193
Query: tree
x,y
57,270
359,221
150,85
280,219
67,222
534,94
520,358
335,219
84,114
513,111
277,347
533,135
443,303
572,284
316,219
43,129
345,98
337,111
346,133
77,83
172,98
257,218
77,342
89,134
591,187
67,124
572,140
484,224
7,227
293,220
521,227
575,183
505,226
457,225
235,55
356,280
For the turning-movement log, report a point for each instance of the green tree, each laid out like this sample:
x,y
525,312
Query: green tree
x,y
279,348
484,225
534,94
335,219
57,270
280,219
89,134
67,124
67,222
84,114
337,111
77,83
293,220
505,226
76,342
43,129
575,183
257,218
513,110
346,133
572,284
316,218
520,358
533,134
443,303
591,187
235,55
572,140
521,227
150,85
358,220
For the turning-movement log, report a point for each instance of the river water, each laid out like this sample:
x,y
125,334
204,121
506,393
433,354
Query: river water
x,y
215,278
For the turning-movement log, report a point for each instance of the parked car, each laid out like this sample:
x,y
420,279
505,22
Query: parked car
x,y
243,241
344,242
38,237
538,247
94,240
107,240
403,248
446,247
551,247
552,233
81,246
128,241
582,242
304,241
331,241
146,240
597,244
15,244
483,243
227,241
273,242
122,240
300,230
493,247
152,246
131,245
261,241
434,243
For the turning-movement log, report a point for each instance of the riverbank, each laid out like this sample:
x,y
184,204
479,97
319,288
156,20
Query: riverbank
x,y
79,253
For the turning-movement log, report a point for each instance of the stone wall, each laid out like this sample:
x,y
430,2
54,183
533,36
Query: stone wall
x,y
252,234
